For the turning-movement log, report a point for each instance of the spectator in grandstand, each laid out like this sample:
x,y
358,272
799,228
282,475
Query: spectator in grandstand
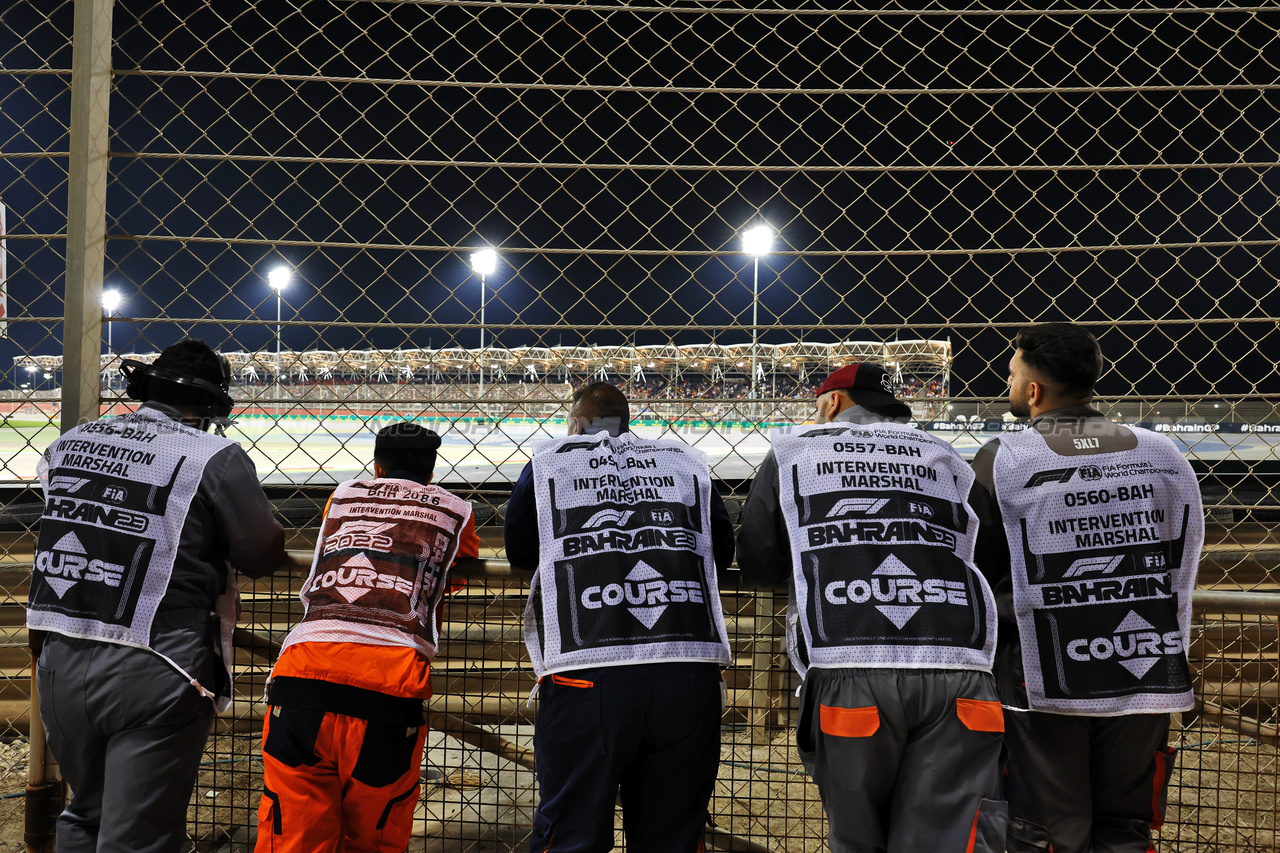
x,y
342,742
1094,602
891,625
131,605
624,628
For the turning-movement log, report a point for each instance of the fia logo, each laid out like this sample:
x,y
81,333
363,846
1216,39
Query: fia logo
x,y
664,517
920,510
115,494
1091,472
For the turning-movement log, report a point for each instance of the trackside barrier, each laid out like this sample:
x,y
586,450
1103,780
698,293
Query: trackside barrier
x,y
758,710
488,741
1228,602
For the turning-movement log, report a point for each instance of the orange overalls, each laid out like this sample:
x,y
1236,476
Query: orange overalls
x,y
338,781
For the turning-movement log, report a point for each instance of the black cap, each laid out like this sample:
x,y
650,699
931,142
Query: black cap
x,y
869,384
406,436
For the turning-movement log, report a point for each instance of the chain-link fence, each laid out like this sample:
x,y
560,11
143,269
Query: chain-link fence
x,y
306,185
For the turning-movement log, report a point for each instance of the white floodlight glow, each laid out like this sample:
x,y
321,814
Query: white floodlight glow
x,y
757,240
111,301
484,262
279,278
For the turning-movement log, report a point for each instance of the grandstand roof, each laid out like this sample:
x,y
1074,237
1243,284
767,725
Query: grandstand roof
x,y
913,356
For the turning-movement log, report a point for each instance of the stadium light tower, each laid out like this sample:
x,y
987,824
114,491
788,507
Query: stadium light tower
x,y
483,263
111,302
279,279
756,241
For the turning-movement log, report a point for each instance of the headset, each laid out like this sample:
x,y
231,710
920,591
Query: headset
x,y
212,402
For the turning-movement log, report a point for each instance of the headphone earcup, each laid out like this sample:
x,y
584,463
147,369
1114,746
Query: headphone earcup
x,y
136,388
221,405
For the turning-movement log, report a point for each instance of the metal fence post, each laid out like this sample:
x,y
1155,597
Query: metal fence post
x,y
763,716
86,211
82,320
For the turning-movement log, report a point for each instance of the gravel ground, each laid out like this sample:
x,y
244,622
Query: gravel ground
x,y
1223,798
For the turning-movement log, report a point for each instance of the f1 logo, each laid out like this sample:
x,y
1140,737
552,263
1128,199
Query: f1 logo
x,y
1103,565
68,485
865,506
608,516
1057,475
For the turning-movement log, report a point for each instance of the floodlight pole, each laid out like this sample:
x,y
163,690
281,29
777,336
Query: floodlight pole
x,y
756,241
278,279
483,262
109,302
755,329
279,336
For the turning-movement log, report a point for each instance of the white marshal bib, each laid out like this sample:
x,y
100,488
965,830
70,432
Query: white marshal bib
x,y
117,493
382,565
626,572
882,541
1104,550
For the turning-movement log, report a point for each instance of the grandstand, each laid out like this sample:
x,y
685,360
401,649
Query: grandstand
x,y
708,381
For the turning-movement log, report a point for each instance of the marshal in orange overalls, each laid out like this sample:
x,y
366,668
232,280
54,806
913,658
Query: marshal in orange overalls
x,y
343,739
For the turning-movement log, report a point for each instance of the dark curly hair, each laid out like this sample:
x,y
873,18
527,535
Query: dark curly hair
x,y
1063,353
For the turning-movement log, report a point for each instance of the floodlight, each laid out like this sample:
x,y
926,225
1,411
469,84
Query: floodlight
x,y
279,278
757,240
111,301
484,262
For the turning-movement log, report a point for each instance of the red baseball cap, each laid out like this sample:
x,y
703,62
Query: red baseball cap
x,y
870,385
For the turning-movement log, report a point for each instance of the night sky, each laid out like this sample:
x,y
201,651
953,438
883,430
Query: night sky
x,y
930,175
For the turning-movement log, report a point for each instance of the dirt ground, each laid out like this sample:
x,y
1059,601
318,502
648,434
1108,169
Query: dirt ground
x,y
1223,798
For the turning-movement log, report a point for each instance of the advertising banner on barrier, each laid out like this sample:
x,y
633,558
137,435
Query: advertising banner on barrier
x,y
1177,427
